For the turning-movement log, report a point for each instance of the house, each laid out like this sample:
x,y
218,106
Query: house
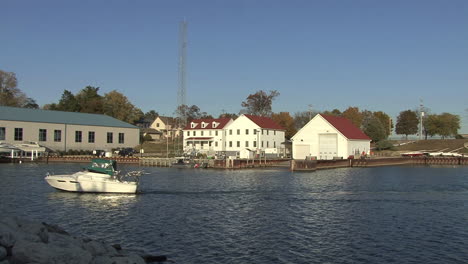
x,y
205,136
153,133
63,131
329,137
252,136
167,125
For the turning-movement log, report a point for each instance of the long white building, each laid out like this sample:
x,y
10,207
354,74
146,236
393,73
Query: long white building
x,y
63,131
328,137
246,137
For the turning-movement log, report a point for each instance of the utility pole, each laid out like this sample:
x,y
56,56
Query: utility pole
x,y
421,115
310,112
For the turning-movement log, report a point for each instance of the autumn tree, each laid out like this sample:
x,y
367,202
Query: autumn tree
x,y
407,123
11,95
354,115
259,103
285,120
118,106
334,112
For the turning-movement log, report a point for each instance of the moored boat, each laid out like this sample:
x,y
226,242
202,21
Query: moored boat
x,y
101,176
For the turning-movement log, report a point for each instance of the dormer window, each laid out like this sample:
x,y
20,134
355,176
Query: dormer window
x,y
203,124
215,124
193,125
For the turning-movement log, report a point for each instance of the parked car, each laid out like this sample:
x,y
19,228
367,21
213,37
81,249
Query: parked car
x,y
99,152
126,152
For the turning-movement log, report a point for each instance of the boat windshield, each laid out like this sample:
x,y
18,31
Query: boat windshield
x,y
103,166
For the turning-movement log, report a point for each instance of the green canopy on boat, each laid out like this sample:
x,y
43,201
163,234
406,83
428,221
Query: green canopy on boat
x,y
103,166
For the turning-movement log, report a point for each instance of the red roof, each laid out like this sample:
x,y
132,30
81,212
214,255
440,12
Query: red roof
x,y
348,129
264,122
222,122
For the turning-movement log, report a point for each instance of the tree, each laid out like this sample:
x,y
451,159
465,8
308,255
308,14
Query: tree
x,y
449,125
259,103
68,102
118,106
11,95
372,126
150,115
302,118
386,122
353,115
228,115
407,123
431,125
334,112
89,100
190,112
285,120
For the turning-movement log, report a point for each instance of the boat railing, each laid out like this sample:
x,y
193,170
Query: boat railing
x,y
131,175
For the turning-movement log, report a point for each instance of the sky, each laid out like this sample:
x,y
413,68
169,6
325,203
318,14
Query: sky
x,y
377,55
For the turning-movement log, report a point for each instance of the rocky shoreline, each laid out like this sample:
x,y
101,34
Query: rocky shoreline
x,y
24,241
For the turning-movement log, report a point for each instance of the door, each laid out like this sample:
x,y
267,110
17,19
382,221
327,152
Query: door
x,y
301,151
328,146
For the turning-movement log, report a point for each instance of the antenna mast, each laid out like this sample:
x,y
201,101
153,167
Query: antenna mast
x,y
182,57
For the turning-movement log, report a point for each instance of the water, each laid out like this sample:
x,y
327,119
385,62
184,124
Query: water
x,y
373,215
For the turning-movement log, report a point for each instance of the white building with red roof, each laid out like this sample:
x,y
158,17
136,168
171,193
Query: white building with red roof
x,y
249,136
329,137
205,135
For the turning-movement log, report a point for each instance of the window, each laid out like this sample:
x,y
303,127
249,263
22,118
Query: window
x,y
268,132
121,138
110,137
57,135
216,133
238,131
262,143
230,131
274,132
268,144
247,131
157,124
188,133
274,144
255,143
194,133
238,144
262,131
18,134
210,133
91,136
230,144
78,136
42,134
201,133
2,133
216,143
246,144
255,131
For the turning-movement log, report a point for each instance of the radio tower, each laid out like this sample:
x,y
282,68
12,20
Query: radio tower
x,y
182,57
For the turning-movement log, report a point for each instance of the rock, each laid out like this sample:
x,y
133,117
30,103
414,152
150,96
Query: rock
x,y
34,252
7,239
3,253
97,248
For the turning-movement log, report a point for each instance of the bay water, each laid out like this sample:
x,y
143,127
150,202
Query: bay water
x,y
353,215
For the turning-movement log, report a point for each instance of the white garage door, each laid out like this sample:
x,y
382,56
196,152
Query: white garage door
x,y
328,146
301,151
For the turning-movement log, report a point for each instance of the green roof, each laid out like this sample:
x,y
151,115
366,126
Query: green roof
x,y
59,117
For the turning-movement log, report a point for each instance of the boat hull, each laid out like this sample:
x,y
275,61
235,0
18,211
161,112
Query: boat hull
x,y
90,182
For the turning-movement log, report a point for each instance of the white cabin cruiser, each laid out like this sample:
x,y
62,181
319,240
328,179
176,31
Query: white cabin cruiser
x,y
100,177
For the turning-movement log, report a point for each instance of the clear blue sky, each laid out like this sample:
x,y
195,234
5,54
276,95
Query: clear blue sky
x,y
377,55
